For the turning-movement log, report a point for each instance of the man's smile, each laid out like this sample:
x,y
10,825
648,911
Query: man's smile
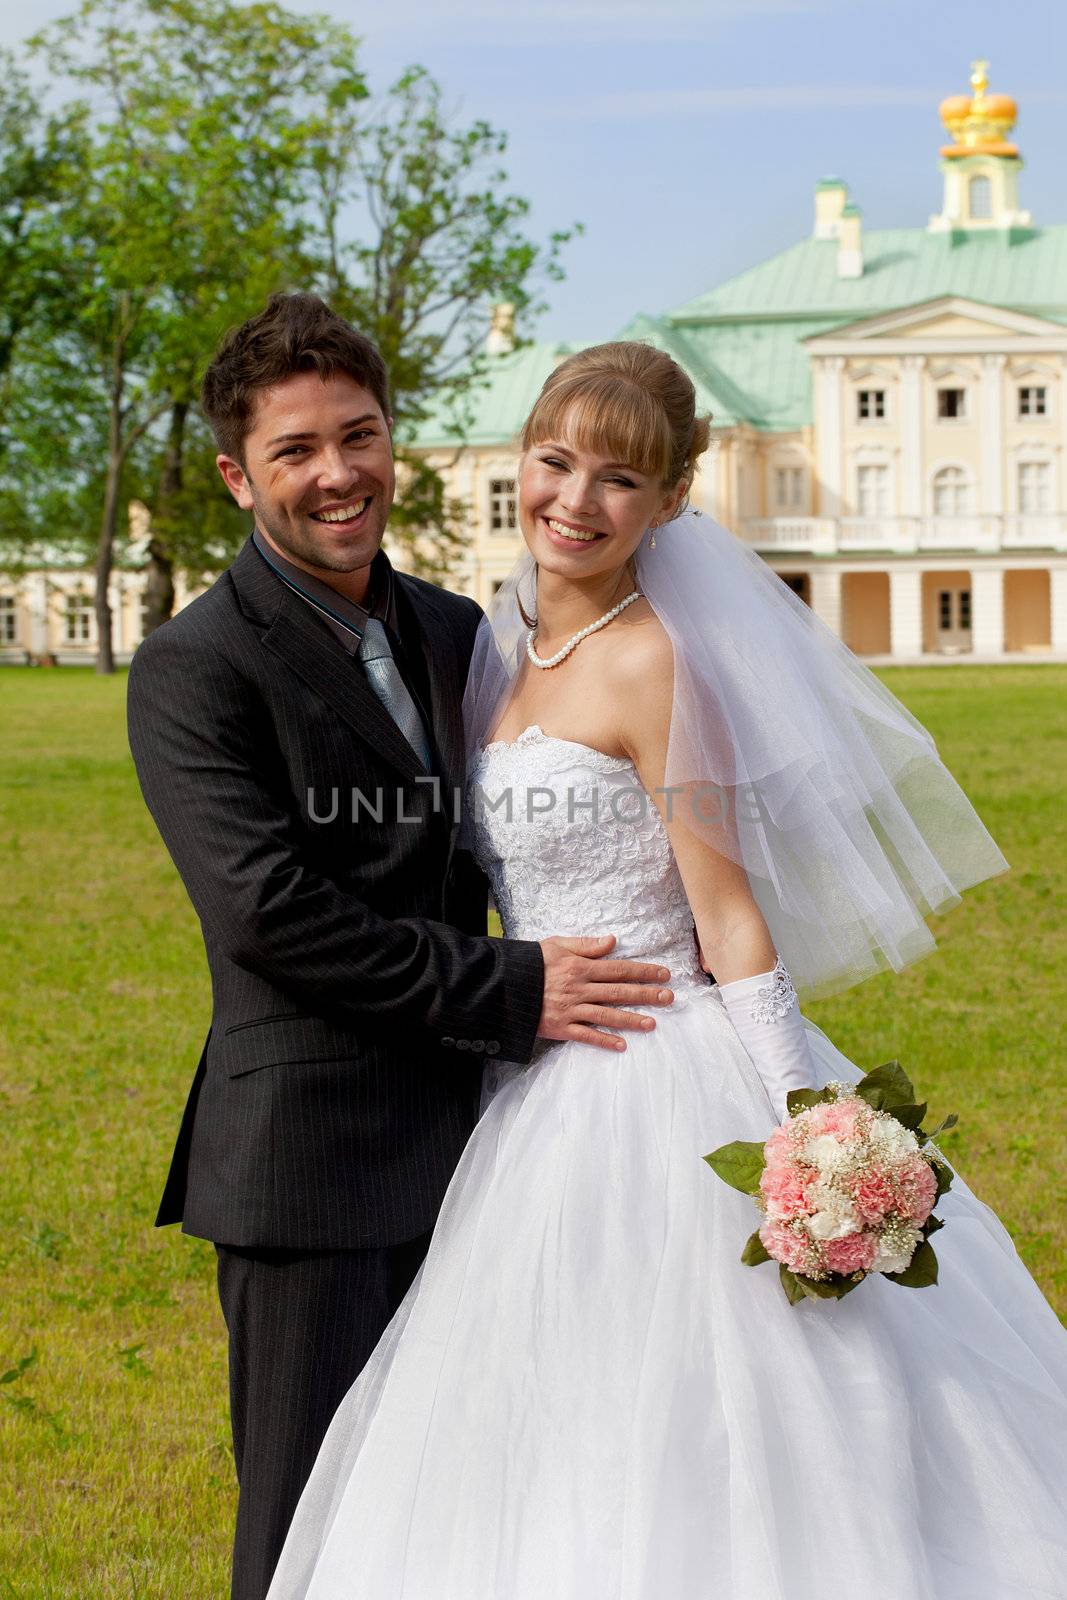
x,y
348,512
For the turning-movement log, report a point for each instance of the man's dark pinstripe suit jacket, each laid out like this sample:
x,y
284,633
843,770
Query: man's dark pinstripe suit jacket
x,y
355,995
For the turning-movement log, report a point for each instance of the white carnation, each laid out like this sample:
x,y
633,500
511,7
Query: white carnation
x,y
896,1257
891,1140
834,1216
826,1153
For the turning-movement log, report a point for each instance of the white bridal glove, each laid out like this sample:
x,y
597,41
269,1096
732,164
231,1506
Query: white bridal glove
x,y
766,1014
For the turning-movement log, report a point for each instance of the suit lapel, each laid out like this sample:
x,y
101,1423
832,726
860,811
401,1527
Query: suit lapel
x,y
298,640
295,636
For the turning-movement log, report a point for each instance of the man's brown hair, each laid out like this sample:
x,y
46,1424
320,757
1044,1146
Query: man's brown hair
x,y
293,333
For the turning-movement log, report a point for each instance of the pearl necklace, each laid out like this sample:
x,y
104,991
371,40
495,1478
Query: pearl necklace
x,y
583,633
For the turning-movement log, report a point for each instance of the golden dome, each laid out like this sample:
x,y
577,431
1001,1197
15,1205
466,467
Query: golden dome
x,y
979,122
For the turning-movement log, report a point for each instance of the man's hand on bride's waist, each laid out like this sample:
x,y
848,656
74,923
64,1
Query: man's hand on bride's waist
x,y
584,992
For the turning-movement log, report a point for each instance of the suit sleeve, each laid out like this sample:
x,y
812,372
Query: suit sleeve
x,y
198,746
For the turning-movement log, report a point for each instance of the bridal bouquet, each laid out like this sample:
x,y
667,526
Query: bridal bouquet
x,y
847,1184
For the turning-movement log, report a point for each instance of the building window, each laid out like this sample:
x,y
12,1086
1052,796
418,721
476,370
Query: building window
x,y
1033,400
77,619
870,405
502,508
872,490
1035,486
789,488
951,404
980,193
952,492
8,620
953,610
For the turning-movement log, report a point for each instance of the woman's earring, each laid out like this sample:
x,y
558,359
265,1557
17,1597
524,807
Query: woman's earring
x,y
652,541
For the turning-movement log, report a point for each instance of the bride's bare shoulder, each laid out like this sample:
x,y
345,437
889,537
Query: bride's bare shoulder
x,y
643,655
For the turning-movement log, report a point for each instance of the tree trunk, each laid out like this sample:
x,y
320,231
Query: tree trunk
x,y
159,583
105,655
105,546
158,591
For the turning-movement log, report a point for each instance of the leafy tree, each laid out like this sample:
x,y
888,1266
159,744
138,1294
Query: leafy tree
x,y
182,217
249,158
440,241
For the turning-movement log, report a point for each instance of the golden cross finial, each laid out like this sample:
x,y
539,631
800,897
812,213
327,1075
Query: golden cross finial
x,y
979,77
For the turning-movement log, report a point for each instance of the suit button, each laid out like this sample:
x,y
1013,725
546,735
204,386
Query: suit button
x,y
447,1042
477,1045
463,1044
492,1047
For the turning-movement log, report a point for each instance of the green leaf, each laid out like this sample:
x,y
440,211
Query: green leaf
x,y
739,1164
949,1122
932,1224
944,1175
911,1116
794,1290
754,1252
834,1289
798,1100
920,1271
886,1087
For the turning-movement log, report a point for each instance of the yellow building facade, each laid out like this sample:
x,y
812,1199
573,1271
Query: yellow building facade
x,y
889,409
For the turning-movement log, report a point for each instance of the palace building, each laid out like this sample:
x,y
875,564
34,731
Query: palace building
x,y
889,410
889,425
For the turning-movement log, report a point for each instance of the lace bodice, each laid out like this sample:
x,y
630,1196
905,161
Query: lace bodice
x,y
572,844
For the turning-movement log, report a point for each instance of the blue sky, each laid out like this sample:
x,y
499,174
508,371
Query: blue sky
x,y
687,135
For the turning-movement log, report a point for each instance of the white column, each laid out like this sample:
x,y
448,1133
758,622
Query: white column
x,y
37,605
905,613
828,420
117,596
1058,596
911,435
991,487
826,597
987,612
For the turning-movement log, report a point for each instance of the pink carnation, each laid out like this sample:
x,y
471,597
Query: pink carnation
x,y
786,1246
779,1147
786,1188
838,1117
873,1194
917,1186
854,1253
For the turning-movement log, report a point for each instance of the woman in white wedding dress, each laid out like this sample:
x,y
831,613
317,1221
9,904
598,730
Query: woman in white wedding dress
x,y
585,1394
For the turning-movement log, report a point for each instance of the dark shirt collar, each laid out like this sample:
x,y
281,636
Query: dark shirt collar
x,y
345,618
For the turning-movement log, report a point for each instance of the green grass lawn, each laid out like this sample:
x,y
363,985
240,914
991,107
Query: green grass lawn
x,y
115,1472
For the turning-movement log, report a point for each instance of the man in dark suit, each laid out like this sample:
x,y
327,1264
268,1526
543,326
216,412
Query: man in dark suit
x,y
298,739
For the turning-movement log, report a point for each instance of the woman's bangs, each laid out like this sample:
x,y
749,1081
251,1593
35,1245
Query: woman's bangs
x,y
606,416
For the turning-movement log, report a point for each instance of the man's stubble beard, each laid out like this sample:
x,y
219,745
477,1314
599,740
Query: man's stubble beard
x,y
298,542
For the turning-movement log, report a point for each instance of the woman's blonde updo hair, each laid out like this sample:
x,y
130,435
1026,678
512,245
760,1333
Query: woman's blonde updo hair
x,y
627,401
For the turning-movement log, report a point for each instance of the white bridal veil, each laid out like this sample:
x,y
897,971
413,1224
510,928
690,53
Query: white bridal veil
x,y
785,754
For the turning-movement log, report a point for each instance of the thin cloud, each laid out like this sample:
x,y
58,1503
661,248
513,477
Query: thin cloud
x,y
667,102
599,19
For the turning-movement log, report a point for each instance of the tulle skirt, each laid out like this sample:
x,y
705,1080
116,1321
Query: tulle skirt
x,y
587,1396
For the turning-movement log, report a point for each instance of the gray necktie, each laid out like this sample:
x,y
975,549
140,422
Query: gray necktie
x,y
383,675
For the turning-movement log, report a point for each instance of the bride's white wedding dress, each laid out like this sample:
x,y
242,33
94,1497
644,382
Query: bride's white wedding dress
x,y
587,1396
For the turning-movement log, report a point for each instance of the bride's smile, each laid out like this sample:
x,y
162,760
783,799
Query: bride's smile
x,y
582,514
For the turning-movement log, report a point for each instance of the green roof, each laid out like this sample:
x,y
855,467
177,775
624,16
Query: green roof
x,y
901,267
499,402
742,343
